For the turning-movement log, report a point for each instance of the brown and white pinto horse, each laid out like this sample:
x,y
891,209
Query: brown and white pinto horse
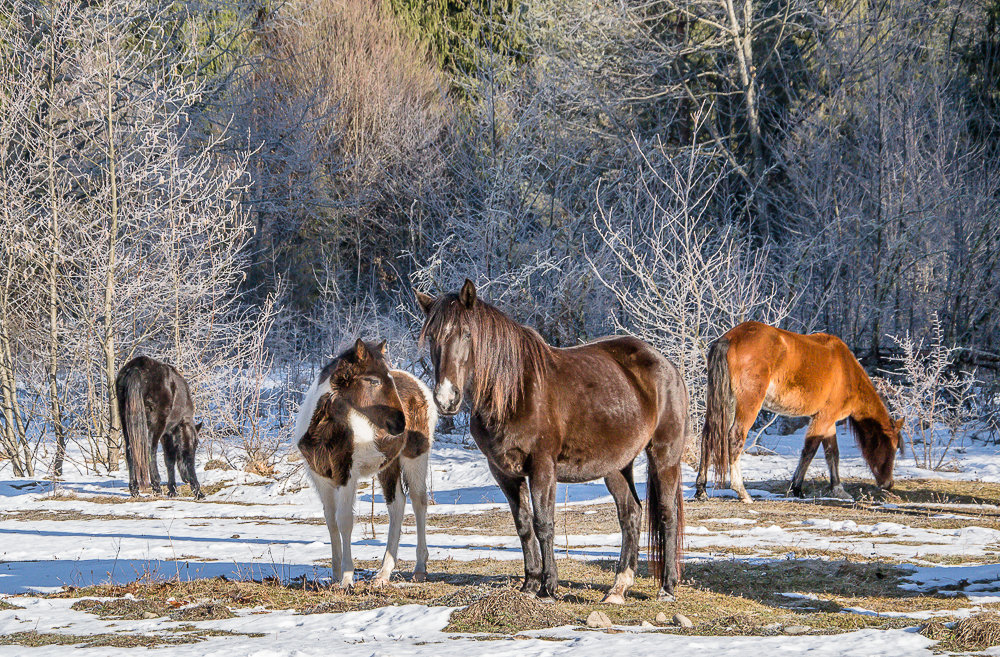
x,y
360,418
542,415
754,366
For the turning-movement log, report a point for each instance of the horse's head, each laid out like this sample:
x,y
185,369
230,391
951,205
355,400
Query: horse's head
x,y
448,328
361,379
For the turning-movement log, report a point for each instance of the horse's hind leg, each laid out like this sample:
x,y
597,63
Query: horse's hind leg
x,y
622,489
832,454
154,472
746,412
415,475
666,513
702,481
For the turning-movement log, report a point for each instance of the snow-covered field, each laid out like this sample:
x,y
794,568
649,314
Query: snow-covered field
x,y
84,531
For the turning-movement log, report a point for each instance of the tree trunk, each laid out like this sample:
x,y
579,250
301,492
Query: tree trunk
x,y
110,371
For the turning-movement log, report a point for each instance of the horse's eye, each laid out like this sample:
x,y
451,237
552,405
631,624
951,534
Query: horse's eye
x,y
374,382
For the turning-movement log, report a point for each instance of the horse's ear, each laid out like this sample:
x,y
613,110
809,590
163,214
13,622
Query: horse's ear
x,y
197,427
381,347
425,301
468,294
360,351
898,424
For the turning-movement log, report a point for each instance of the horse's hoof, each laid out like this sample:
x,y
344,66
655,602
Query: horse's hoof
x,y
746,500
613,599
701,496
530,587
841,494
380,582
419,577
663,596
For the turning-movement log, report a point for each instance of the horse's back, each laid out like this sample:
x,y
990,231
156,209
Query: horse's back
x,y
617,363
161,385
798,373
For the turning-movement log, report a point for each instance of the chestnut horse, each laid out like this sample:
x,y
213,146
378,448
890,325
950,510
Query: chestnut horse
x,y
816,376
542,415
360,418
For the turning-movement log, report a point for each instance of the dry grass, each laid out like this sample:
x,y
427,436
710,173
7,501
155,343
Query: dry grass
x,y
719,596
971,634
507,611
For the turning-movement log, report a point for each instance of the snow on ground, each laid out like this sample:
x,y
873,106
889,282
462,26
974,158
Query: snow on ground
x,y
254,527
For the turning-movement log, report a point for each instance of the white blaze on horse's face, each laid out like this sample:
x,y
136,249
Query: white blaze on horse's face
x,y
447,396
452,366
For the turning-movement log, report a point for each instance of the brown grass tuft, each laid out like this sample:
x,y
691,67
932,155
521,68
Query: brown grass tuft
x,y
507,612
970,634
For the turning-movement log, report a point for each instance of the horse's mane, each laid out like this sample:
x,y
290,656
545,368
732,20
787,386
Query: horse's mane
x,y
506,355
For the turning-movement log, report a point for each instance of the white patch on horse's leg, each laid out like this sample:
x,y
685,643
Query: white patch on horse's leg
x,y
328,496
736,481
623,580
396,510
345,522
415,473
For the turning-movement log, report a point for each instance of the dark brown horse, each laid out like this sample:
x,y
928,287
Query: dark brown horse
x,y
154,404
542,415
754,366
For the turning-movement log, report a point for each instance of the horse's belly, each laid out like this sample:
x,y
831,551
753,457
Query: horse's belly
x,y
785,403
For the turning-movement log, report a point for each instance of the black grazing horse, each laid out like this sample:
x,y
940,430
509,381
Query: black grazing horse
x,y
154,403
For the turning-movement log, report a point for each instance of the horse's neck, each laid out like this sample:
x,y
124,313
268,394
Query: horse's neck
x,y
868,404
520,367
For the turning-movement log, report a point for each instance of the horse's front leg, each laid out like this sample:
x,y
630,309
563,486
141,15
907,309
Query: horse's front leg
x,y
808,452
328,496
392,492
516,491
345,522
832,454
170,461
542,483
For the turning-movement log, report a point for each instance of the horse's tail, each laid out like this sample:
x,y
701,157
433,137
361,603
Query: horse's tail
x,y
720,411
679,534
657,526
133,416
654,515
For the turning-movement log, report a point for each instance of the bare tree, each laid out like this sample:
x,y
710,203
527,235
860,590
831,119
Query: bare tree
x,y
681,278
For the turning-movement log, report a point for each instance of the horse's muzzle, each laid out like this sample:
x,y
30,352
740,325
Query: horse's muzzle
x,y
447,397
396,424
